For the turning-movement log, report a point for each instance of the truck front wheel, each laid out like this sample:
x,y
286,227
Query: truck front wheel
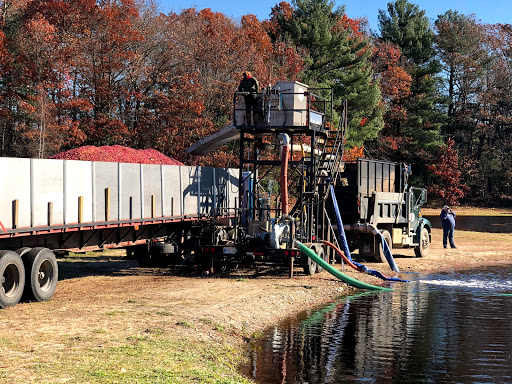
x,y
422,249
380,256
12,278
310,267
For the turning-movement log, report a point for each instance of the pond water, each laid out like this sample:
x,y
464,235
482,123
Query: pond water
x,y
443,328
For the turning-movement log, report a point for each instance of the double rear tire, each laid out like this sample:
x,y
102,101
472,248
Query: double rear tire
x,y
31,274
42,274
12,278
310,268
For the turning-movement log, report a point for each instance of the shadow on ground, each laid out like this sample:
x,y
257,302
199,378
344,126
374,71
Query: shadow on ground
x,y
98,264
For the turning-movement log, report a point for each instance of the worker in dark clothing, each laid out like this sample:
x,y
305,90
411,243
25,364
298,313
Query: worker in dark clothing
x,y
448,222
251,85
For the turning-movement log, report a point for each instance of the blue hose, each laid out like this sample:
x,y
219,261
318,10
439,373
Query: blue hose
x,y
339,223
346,250
387,254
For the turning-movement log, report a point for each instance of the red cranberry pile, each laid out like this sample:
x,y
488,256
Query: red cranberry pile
x,y
116,153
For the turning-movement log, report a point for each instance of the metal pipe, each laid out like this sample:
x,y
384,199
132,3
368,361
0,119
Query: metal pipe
x,y
285,149
305,148
369,228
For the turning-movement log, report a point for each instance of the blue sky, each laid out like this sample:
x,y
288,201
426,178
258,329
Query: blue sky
x,y
497,11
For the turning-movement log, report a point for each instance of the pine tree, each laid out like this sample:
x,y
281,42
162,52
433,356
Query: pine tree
x,y
408,27
337,55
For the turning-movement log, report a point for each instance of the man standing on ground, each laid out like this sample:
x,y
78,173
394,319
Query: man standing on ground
x,y
448,222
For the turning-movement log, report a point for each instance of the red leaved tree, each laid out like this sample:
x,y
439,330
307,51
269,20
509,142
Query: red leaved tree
x,y
186,89
71,58
353,154
104,72
43,62
446,183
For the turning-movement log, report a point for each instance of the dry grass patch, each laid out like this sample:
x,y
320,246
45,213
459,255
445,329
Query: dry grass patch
x,y
90,343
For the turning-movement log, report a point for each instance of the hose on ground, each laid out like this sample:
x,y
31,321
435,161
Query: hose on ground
x,y
361,267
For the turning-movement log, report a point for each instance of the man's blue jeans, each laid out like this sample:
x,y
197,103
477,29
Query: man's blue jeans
x,y
448,236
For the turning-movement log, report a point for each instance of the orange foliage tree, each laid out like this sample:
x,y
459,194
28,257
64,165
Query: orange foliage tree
x,y
353,154
70,57
395,85
103,72
198,71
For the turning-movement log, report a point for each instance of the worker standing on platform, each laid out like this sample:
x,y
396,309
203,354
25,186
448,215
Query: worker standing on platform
x,y
250,84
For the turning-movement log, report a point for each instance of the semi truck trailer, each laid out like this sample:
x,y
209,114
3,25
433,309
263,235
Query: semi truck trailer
x,y
152,211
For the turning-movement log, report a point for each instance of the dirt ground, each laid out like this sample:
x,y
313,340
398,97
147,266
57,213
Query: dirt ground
x,y
101,299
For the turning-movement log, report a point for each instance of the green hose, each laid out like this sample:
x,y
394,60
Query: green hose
x,y
333,271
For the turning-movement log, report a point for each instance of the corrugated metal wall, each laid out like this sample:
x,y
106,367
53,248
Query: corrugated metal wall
x,y
40,192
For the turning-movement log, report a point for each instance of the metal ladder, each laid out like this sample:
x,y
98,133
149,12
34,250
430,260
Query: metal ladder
x,y
332,151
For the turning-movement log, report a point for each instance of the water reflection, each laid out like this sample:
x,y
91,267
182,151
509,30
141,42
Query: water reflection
x,y
438,330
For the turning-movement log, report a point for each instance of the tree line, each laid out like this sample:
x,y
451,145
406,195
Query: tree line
x,y
432,93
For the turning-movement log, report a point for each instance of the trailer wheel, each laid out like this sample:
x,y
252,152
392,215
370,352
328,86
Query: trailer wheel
x,y
310,266
22,251
380,256
12,278
321,253
422,249
42,274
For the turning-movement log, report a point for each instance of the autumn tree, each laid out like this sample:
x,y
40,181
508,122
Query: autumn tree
x,y
7,130
108,33
445,182
492,143
65,72
190,66
36,77
15,84
167,96
395,84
